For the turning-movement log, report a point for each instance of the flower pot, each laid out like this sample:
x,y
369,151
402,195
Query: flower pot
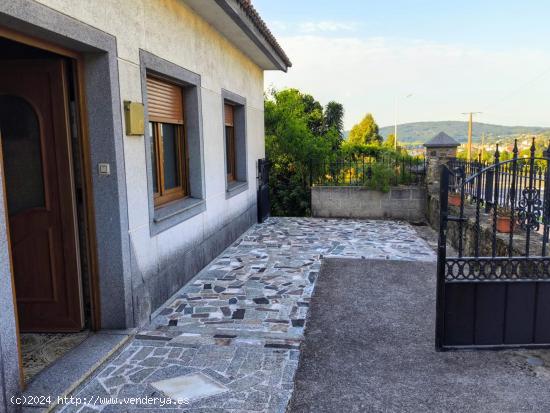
x,y
454,199
504,224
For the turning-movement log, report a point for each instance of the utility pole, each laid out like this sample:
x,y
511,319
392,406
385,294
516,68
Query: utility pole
x,y
470,127
395,123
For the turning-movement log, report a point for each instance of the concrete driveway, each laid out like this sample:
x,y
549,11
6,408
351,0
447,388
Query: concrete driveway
x,y
369,347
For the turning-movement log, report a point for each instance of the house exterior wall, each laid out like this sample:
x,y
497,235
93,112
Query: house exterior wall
x,y
163,262
139,268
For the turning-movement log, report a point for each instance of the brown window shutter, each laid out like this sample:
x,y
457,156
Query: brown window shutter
x,y
164,101
228,114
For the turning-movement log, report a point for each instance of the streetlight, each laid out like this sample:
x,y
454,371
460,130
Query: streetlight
x,y
395,120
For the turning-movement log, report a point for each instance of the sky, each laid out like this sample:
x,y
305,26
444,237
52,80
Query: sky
x,y
449,56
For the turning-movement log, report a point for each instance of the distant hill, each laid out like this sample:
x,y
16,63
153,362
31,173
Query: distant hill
x,y
422,131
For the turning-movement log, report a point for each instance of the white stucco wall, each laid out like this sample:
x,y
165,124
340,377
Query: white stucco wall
x,y
172,31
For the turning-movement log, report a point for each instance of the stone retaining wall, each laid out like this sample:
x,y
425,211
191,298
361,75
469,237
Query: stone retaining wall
x,y
401,202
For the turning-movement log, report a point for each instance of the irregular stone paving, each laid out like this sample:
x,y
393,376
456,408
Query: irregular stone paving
x,y
241,320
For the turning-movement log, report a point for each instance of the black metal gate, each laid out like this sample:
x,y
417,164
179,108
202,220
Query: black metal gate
x,y
264,207
495,293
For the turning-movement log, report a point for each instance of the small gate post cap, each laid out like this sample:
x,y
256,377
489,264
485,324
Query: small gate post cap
x,y
442,140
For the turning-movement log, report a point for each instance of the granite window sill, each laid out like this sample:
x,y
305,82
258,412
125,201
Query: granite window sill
x,y
176,212
235,188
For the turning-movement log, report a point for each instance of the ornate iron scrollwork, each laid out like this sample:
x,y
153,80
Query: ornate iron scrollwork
x,y
530,209
497,269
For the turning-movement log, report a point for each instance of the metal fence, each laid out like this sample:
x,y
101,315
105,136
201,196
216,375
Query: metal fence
x,y
264,204
504,185
495,292
367,171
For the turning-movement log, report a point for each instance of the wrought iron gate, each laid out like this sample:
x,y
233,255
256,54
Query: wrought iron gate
x,y
496,292
264,207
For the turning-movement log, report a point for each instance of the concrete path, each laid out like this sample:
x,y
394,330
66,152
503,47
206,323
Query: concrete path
x,y
369,347
233,333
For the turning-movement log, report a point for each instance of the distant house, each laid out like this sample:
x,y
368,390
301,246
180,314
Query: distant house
x,y
130,132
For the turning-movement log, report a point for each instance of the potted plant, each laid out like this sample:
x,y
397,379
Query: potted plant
x,y
504,220
454,199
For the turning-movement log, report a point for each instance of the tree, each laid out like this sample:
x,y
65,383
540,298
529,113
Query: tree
x,y
365,132
291,126
333,124
334,117
390,141
314,113
294,136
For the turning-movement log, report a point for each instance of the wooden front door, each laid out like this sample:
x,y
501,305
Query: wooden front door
x,y
35,138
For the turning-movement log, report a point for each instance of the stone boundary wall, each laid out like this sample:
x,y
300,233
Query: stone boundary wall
x,y
401,202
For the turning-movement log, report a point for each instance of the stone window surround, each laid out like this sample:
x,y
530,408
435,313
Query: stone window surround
x,y
169,215
241,182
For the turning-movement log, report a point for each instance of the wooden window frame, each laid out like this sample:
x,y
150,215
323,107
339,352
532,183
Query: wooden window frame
x,y
164,196
230,142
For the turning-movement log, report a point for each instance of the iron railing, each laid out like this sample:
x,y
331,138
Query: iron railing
x,y
367,171
513,191
519,173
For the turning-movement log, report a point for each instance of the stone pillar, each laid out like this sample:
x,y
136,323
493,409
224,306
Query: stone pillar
x,y
439,151
9,352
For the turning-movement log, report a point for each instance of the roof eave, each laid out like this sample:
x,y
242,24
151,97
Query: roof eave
x,y
240,18
234,24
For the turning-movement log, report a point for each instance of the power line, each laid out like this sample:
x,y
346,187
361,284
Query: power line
x,y
520,88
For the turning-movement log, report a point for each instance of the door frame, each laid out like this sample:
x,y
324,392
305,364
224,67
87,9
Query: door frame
x,y
85,160
104,119
15,312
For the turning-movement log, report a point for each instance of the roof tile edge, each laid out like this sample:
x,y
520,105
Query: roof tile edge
x,y
260,24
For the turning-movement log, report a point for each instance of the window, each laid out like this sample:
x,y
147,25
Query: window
x,y
173,142
230,142
168,144
234,141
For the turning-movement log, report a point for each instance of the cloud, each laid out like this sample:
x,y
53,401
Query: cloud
x,y
278,26
326,26
445,79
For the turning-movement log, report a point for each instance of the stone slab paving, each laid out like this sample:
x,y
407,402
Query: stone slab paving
x,y
240,321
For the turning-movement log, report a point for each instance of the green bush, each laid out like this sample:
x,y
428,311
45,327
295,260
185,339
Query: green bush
x,y
382,178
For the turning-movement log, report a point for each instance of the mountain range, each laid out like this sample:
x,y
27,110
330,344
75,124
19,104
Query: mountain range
x,y
419,132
